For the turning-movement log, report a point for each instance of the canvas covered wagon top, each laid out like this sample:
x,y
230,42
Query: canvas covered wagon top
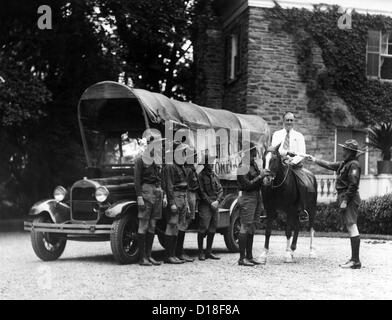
x,y
112,106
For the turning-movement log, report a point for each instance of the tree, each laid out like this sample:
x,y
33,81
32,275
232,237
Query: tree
x,y
155,43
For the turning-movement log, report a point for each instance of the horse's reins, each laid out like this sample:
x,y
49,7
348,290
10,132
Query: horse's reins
x,y
284,179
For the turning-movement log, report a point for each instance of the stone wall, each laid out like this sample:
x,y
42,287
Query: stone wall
x,y
235,91
274,87
269,83
208,53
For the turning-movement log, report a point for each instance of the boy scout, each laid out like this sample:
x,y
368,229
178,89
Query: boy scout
x,y
347,184
192,195
211,193
250,204
150,198
176,188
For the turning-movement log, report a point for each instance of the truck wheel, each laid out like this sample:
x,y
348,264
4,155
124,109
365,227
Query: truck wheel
x,y
123,239
47,246
231,235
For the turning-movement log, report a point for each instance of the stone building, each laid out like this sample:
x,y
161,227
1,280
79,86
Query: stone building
x,y
244,66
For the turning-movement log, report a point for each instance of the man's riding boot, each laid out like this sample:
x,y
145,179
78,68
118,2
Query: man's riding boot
x,y
200,240
210,240
141,241
242,243
249,249
149,242
170,249
180,248
303,194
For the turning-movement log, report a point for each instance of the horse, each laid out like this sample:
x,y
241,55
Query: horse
x,y
281,193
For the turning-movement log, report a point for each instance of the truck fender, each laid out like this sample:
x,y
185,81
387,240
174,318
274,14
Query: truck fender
x,y
58,211
119,208
233,205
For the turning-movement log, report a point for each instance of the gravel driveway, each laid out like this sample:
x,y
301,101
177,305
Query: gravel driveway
x,y
88,271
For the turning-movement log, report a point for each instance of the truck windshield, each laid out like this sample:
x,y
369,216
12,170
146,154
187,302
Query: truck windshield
x,y
113,149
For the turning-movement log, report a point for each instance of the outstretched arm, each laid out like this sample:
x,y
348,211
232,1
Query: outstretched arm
x,y
334,166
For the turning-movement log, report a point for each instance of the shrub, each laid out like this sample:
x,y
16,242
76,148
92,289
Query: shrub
x,y
375,217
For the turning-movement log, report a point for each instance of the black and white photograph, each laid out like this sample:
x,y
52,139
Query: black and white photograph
x,y
196,154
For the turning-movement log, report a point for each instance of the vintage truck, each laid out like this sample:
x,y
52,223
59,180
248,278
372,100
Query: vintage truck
x,y
102,205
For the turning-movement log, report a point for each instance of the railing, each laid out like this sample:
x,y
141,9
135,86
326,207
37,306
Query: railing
x,y
370,186
326,191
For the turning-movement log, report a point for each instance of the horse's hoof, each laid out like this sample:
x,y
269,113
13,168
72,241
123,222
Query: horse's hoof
x,y
263,257
289,257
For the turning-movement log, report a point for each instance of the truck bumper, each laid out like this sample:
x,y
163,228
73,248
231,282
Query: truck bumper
x,y
67,228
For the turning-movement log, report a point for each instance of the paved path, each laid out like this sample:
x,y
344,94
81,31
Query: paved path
x,y
88,271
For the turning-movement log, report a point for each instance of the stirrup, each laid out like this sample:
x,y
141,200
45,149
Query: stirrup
x,y
303,216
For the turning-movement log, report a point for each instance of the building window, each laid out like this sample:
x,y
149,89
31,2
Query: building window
x,y
233,53
379,55
343,134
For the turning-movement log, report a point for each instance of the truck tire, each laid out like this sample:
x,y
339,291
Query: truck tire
x,y
47,246
232,233
123,239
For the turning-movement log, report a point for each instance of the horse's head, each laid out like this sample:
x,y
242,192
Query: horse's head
x,y
273,164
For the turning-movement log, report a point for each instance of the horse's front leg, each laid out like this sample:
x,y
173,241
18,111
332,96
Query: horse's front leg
x,y
268,228
289,252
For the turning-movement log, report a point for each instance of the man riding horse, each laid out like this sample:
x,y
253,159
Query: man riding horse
x,y
292,145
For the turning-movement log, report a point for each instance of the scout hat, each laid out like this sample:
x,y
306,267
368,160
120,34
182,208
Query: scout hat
x,y
351,144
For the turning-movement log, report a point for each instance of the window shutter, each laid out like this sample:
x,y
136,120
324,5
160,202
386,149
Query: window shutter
x,y
373,54
239,47
227,57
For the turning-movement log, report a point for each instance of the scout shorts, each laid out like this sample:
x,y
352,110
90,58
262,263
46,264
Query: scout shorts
x,y
192,202
181,216
250,205
350,214
152,197
208,218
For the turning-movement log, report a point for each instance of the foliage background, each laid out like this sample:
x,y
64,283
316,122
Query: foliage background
x,y
375,217
46,71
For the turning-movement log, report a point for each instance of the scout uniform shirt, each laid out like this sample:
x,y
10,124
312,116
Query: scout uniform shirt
x,y
246,182
210,186
144,173
176,180
347,181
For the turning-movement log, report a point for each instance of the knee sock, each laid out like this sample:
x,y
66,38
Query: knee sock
x,y
210,240
242,244
200,240
180,243
355,242
249,246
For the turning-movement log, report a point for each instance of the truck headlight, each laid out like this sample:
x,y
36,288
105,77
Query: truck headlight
x,y
59,193
101,194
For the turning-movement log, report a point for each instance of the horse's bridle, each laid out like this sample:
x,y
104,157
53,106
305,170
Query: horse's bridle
x,y
284,179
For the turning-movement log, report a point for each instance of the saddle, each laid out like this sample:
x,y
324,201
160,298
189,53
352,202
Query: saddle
x,y
304,178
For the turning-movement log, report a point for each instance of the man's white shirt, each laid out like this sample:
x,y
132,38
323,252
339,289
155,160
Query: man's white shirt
x,y
297,143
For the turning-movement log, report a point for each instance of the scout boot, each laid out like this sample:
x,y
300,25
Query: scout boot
x,y
171,248
200,240
249,249
180,248
242,244
210,240
141,241
149,242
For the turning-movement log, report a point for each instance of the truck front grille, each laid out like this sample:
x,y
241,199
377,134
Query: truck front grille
x,y
83,203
